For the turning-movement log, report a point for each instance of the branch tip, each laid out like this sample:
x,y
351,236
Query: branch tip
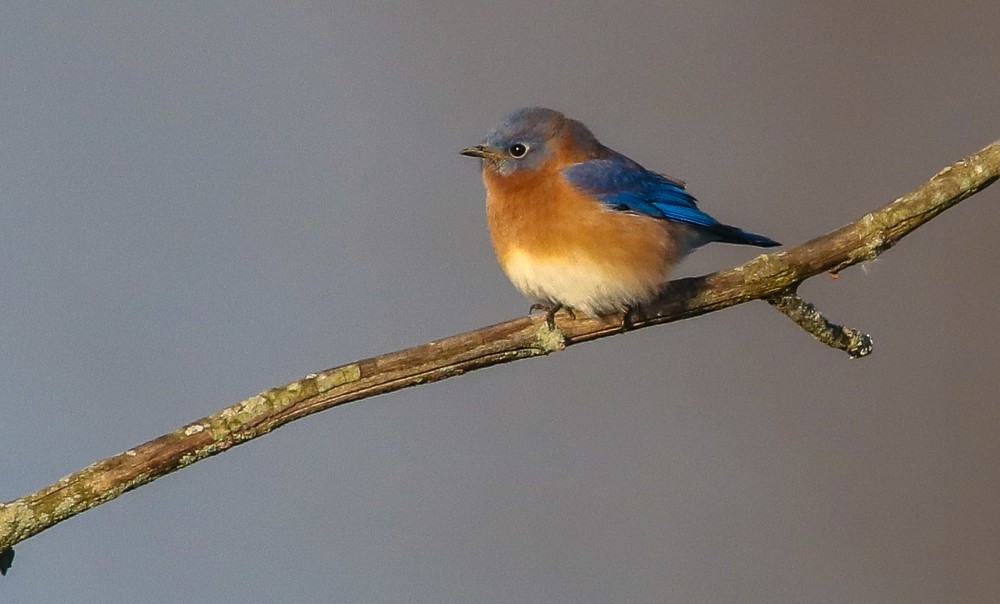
x,y
772,277
855,343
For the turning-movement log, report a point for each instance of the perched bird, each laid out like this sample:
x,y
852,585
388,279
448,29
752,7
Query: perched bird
x,y
579,226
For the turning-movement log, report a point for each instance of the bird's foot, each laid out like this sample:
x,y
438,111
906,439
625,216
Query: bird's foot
x,y
630,316
550,313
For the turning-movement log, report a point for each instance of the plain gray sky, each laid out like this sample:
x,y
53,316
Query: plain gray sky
x,y
202,200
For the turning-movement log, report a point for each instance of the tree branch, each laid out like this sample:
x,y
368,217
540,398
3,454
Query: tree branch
x,y
772,277
807,316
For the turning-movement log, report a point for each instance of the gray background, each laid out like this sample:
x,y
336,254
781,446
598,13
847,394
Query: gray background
x,y
200,201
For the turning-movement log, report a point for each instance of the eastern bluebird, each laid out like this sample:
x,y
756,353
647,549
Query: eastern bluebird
x,y
579,226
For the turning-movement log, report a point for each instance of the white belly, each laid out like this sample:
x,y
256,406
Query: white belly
x,y
579,283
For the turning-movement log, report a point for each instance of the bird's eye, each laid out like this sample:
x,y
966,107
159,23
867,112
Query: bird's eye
x,y
517,150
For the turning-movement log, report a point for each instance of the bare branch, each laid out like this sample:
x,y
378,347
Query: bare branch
x,y
808,317
772,277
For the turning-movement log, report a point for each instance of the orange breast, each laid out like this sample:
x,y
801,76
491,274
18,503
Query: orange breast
x,y
560,246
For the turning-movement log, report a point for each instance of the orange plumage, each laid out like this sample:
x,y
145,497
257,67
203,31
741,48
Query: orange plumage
x,y
577,225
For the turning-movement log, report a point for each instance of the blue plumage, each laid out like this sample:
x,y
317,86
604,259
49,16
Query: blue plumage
x,y
577,225
623,184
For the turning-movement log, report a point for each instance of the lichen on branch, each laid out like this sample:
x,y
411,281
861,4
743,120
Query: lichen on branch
x,y
771,277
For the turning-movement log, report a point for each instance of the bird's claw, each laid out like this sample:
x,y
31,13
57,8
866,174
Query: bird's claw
x,y
630,316
550,313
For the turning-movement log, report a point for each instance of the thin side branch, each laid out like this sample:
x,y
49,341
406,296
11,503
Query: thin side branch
x,y
766,277
808,317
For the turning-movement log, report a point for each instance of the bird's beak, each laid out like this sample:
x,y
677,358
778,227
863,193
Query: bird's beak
x,y
480,151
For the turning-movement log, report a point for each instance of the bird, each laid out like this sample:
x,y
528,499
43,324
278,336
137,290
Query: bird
x,y
581,227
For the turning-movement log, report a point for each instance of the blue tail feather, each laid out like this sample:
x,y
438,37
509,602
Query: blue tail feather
x,y
731,234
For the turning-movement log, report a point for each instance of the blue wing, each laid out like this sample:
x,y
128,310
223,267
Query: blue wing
x,y
623,184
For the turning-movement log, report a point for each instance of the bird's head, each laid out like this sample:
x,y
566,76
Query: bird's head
x,y
528,138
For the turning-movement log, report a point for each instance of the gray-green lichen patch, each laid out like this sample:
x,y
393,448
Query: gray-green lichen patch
x,y
66,505
202,452
861,344
550,340
337,377
760,268
16,517
232,418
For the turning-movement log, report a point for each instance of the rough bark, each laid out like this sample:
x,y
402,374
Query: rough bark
x,y
771,277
